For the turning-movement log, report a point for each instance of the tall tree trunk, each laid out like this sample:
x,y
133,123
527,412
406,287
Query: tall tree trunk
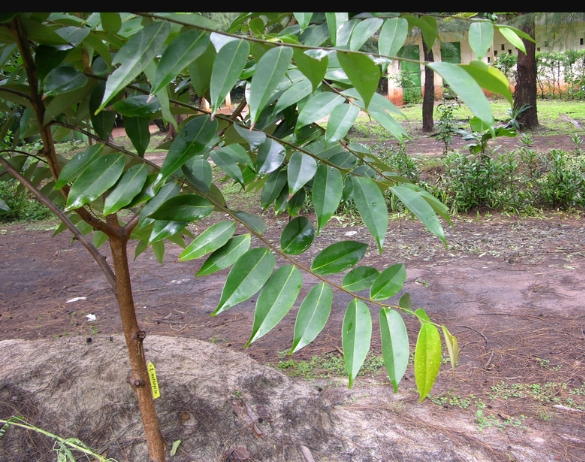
x,y
428,106
526,89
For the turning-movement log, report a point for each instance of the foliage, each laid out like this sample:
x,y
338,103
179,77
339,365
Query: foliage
x,y
411,92
445,125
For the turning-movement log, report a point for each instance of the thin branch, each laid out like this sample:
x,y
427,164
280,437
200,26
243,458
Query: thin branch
x,y
97,256
40,159
16,92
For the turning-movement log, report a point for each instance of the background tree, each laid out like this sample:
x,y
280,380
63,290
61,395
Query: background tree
x,y
77,72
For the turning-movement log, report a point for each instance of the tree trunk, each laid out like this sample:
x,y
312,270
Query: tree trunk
x,y
429,93
138,376
526,89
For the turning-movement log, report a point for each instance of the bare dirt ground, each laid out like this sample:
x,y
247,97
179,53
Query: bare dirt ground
x,y
512,290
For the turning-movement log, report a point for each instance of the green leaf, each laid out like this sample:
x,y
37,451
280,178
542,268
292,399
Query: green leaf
x,y
63,79
312,316
303,19
255,223
270,156
490,78
272,188
127,189
338,257
340,121
427,26
228,66
481,37
318,107
111,22
466,88
294,94
226,255
138,132
427,358
103,122
421,208
247,276
163,229
363,73
356,336
158,248
134,56
363,31
335,21
200,70
191,141
313,69
48,58
169,190
4,207
389,282
99,238
296,202
269,72
372,207
42,34
511,35
137,106
254,137
75,166
452,346
96,179
360,278
301,168
209,240
181,52
199,173
327,192
405,301
314,36
187,207
395,347
275,301
392,36
297,236
225,162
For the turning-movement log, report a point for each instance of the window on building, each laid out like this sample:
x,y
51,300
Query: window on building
x,y
538,49
509,52
581,41
503,48
488,59
495,53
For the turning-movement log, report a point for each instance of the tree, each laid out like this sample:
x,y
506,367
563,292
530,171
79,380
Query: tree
x,y
428,106
77,72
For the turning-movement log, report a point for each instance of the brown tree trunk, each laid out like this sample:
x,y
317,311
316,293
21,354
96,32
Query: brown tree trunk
x,y
428,106
526,89
138,376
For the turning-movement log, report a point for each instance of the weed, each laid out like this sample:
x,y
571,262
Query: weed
x,y
328,365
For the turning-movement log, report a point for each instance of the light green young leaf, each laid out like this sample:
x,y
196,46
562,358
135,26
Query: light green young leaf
x,y
99,238
228,65
313,69
338,257
372,207
511,35
327,192
75,166
392,36
340,121
389,282
127,188
427,358
297,236
363,73
452,346
211,239
275,301
395,348
363,31
96,179
490,78
226,255
481,37
356,336
301,169
247,276
360,278
312,316
318,107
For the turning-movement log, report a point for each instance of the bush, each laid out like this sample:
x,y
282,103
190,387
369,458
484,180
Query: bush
x,y
22,206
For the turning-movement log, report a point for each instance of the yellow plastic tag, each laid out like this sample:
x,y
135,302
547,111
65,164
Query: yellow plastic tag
x,y
153,381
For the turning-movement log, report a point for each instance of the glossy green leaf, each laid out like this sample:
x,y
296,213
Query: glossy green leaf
x,y
191,141
254,137
313,69
77,164
111,22
48,58
420,208
363,73
294,94
187,207
138,132
127,189
296,202
137,106
327,191
164,229
510,34
314,36
490,78
389,282
158,248
137,53
225,162
335,21
96,43
269,72
427,358
338,257
372,207
209,240
270,156
466,88
356,336
103,122
318,107
67,102
63,79
41,33
363,31
360,278
427,25
452,346
96,179
99,239
199,173
255,223
395,347
312,316
340,121
4,207
182,51
228,66
275,301
405,301
301,168
247,277
303,19
200,70
226,255
272,188
169,190
392,36
481,37
297,236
